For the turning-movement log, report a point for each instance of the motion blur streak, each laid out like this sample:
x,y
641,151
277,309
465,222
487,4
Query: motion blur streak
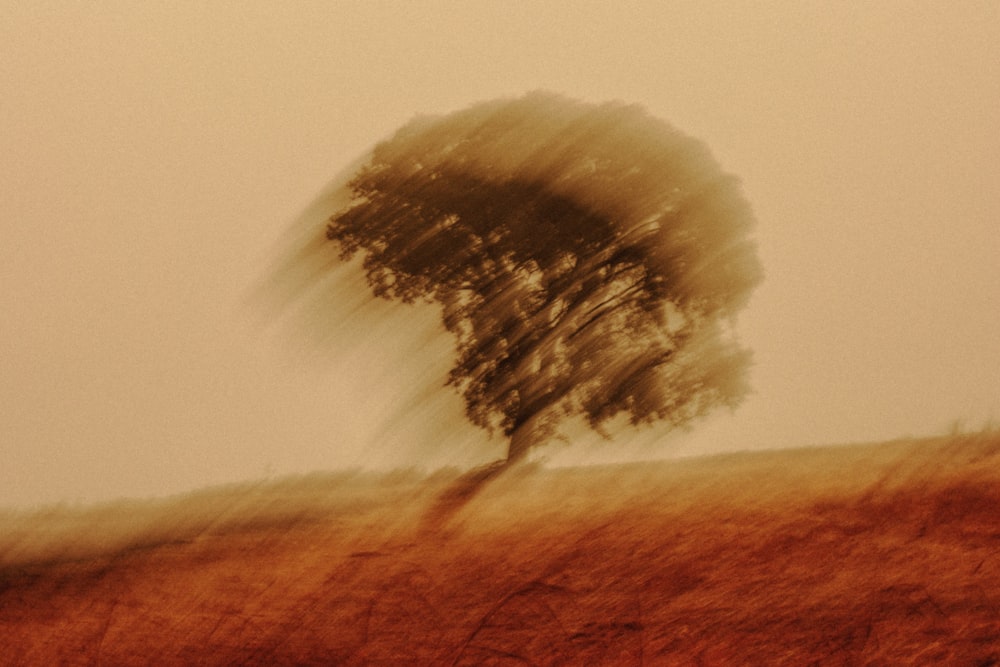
x,y
588,260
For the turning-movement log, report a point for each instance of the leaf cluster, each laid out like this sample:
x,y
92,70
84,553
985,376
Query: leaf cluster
x,y
588,259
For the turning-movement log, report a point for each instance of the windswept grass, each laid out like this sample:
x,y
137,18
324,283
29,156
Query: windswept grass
x,y
881,554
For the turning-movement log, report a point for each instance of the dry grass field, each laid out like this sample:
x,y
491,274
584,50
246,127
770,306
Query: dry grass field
x,y
884,554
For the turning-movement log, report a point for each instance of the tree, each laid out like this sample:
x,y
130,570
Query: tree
x,y
588,259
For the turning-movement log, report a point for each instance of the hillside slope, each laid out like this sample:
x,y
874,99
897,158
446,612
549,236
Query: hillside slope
x,y
882,554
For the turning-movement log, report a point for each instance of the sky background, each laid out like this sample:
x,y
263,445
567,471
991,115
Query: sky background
x,y
153,155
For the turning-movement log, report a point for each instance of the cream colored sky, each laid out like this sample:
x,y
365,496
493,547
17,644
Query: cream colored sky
x,y
151,154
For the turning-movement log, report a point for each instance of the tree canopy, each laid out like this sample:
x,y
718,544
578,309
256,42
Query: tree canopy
x,y
589,260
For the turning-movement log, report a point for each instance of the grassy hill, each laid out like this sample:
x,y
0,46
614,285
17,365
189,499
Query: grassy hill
x,y
882,554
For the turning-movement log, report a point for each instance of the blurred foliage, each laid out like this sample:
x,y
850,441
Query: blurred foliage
x,y
588,259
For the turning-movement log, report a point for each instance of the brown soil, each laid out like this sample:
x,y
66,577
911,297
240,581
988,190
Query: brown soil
x,y
865,555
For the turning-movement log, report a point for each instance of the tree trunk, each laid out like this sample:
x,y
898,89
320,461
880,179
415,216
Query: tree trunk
x,y
521,442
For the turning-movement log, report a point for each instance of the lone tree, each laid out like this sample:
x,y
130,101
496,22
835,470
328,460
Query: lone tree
x,y
588,259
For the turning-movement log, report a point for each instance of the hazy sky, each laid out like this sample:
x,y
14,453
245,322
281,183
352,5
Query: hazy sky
x,y
152,155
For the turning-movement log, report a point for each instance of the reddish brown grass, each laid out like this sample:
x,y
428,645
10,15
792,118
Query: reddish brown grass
x,y
870,555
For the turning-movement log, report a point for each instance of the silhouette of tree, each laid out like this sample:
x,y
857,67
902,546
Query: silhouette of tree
x,y
588,259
